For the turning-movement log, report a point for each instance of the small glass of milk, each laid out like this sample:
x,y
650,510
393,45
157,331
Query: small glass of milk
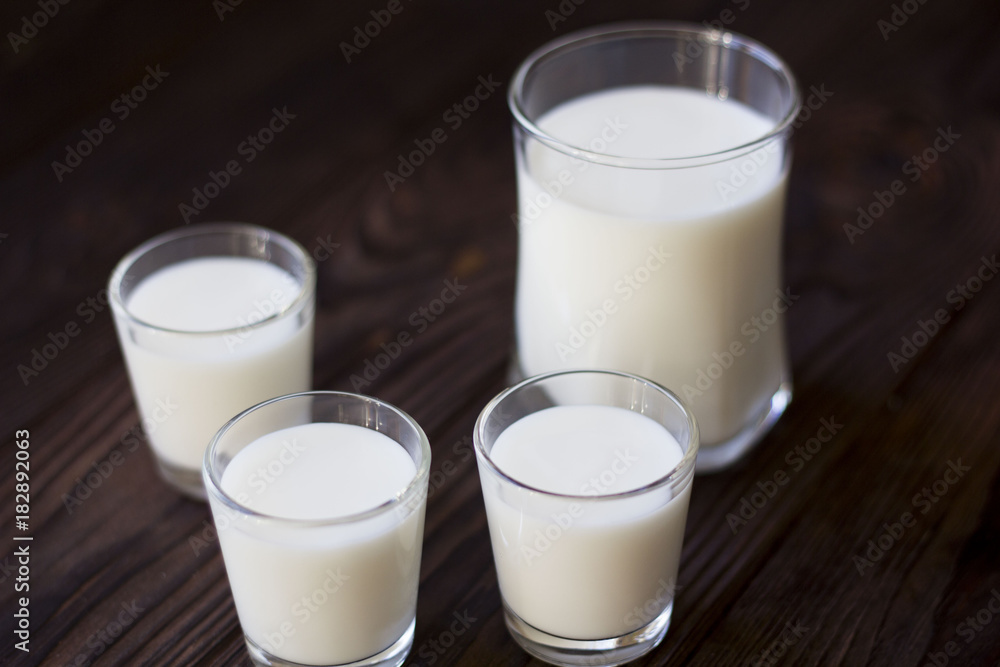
x,y
318,499
586,477
212,319
652,162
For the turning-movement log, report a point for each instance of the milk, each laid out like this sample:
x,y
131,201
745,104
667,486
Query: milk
x,y
207,355
657,272
576,567
313,593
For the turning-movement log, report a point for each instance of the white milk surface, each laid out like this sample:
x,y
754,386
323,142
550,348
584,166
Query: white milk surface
x,y
322,594
187,386
579,568
657,272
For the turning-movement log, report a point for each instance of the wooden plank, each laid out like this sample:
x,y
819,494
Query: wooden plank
x,y
129,540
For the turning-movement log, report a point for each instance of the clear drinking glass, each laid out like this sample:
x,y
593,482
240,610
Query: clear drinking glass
x,y
320,591
188,381
587,579
664,263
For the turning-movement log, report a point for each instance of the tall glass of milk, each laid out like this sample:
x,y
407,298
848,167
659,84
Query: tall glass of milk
x,y
586,477
319,499
652,162
211,319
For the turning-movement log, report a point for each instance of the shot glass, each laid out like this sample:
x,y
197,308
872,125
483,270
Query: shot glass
x,y
586,477
211,319
318,499
652,161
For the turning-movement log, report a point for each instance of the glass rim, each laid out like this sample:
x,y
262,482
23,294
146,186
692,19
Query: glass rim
x,y
213,485
684,467
116,280
649,29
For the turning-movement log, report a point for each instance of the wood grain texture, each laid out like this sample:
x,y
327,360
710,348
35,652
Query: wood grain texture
x,y
132,541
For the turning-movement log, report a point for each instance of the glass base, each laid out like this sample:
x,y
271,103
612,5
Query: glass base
x,y
594,653
185,480
390,657
716,457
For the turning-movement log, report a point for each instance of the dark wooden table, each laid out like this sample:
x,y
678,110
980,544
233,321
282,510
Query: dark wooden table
x,y
874,551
